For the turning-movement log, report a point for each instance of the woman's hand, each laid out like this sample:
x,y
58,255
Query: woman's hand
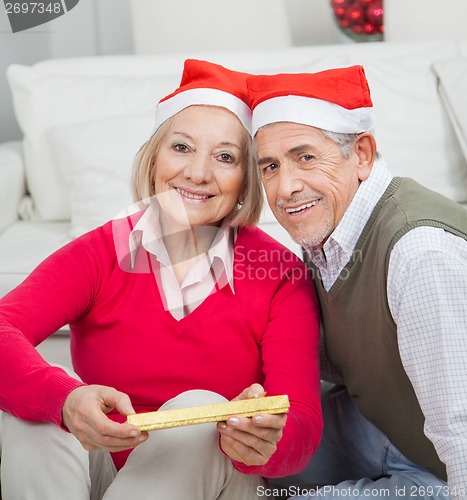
x,y
251,440
84,414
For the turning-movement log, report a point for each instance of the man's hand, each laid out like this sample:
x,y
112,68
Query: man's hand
x,y
251,440
84,414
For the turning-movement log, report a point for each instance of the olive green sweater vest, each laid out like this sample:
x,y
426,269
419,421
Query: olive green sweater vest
x,y
360,334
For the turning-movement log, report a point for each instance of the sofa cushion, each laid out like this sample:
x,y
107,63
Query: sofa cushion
x,y
452,80
24,245
43,101
96,158
12,182
413,130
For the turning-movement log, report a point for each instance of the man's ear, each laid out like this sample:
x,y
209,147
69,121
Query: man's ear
x,y
366,151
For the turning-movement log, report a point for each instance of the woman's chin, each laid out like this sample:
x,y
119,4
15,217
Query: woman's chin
x,y
195,222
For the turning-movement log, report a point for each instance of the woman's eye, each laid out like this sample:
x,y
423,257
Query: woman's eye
x,y
226,158
182,148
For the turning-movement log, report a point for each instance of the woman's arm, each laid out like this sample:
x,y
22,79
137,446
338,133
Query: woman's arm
x,y
289,348
57,292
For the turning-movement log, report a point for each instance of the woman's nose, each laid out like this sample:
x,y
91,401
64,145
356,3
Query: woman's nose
x,y
199,169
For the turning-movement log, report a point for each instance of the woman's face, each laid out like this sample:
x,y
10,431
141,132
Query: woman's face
x,y
200,165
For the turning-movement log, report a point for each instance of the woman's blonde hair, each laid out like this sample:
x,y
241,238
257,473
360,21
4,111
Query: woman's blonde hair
x,y
246,212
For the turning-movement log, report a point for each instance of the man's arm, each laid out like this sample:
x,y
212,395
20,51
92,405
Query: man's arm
x,y
427,295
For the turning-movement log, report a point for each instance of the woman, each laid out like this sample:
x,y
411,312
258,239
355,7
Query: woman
x,y
182,303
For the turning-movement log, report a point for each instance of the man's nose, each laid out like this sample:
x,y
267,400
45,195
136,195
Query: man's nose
x,y
290,182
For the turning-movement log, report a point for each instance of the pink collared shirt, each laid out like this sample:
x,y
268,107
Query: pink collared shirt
x,y
210,271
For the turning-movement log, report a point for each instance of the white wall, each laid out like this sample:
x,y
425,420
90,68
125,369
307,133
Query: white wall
x,y
160,26
171,27
312,22
424,20
92,27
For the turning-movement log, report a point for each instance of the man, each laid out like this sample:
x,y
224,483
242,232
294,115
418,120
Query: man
x,y
389,260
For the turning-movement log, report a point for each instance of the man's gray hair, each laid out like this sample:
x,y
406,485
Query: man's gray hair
x,y
345,141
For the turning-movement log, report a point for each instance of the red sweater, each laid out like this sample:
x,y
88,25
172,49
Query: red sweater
x,y
122,337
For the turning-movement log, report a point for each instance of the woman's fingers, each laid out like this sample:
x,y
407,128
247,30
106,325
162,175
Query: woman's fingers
x,y
251,440
253,391
84,414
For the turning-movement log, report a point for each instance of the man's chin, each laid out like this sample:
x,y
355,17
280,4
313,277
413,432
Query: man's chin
x,y
307,237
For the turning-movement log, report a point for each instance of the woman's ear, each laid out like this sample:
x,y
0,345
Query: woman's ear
x,y
366,151
243,191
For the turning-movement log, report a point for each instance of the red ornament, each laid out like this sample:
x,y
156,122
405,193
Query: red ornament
x,y
355,14
360,18
340,12
369,28
374,13
357,29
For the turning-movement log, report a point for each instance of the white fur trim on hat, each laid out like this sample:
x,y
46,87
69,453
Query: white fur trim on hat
x,y
314,112
211,97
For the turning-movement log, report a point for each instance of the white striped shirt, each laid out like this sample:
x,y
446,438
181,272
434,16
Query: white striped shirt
x,y
427,296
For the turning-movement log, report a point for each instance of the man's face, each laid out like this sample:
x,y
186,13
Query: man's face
x,y
308,183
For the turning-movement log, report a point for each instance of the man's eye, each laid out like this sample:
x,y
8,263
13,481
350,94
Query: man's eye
x,y
270,169
182,148
307,157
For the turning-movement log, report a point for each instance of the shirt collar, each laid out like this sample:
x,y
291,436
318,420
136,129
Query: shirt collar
x,y
359,211
223,248
343,239
147,233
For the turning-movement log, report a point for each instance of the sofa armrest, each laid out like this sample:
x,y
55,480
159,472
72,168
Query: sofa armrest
x,y
12,182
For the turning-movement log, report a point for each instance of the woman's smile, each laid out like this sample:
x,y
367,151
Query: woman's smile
x,y
192,195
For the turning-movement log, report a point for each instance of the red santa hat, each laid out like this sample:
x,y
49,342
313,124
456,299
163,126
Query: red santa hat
x,y
337,100
210,84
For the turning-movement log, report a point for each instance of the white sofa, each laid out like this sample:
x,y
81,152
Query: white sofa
x,y
83,119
